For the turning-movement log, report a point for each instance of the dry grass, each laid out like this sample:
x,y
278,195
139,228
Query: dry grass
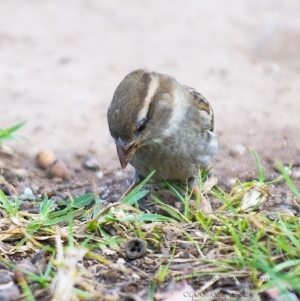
x,y
236,251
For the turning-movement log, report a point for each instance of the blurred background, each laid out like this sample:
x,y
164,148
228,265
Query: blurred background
x,y
60,62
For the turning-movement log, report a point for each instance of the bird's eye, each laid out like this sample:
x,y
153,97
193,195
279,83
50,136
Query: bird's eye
x,y
141,125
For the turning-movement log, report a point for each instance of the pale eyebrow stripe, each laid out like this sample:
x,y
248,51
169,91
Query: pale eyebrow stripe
x,y
154,83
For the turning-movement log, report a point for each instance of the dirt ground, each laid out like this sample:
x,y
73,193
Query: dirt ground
x,y
60,62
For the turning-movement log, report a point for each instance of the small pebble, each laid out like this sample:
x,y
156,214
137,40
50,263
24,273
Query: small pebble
x,y
100,174
45,158
48,192
231,181
10,294
237,150
26,206
130,288
58,170
185,245
286,168
90,163
295,174
5,279
287,214
6,149
28,191
119,175
57,199
273,293
80,154
183,255
57,180
271,216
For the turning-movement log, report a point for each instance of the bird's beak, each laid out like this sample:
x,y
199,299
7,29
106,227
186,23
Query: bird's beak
x,y
126,151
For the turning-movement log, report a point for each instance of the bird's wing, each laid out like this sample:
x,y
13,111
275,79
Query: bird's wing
x,y
202,104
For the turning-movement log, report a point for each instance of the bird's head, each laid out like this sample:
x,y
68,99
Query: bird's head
x,y
138,112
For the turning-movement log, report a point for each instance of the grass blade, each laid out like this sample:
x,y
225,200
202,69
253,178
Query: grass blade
x,y
287,178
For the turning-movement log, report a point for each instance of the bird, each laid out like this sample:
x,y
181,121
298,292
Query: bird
x,y
159,124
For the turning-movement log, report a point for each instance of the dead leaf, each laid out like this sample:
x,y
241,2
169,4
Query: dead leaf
x,y
254,196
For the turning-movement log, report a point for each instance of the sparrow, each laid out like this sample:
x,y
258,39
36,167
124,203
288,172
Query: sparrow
x,y
159,124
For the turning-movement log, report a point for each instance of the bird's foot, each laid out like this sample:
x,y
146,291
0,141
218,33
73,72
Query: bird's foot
x,y
204,205
135,183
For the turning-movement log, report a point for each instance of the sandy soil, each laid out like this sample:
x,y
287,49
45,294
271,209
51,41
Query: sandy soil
x,y
62,60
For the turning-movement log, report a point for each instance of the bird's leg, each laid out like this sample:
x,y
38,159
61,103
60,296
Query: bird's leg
x,y
194,185
136,181
205,205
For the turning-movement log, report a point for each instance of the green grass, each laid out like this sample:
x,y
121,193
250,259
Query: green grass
x,y
9,133
241,241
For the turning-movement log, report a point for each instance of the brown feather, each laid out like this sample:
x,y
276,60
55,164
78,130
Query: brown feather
x,y
202,104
